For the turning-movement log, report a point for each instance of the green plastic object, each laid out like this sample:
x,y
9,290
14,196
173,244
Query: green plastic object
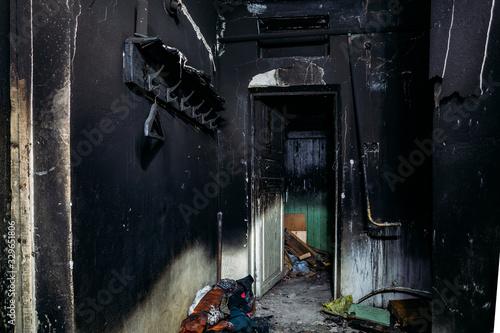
x,y
370,313
338,307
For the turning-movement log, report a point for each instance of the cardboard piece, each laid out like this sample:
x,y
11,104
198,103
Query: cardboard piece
x,y
295,222
302,235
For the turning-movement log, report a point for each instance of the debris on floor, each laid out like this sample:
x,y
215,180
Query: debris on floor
x,y
300,305
365,318
411,314
294,306
341,315
339,306
401,316
369,318
301,259
227,306
296,224
370,313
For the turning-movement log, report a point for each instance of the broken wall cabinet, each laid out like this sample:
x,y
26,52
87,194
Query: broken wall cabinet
x,y
160,74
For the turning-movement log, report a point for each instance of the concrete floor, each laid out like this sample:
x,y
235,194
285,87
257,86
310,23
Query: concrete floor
x,y
295,306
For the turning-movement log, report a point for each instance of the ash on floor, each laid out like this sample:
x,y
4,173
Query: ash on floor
x,y
294,306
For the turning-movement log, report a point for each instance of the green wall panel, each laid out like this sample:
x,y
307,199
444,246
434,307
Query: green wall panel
x,y
308,187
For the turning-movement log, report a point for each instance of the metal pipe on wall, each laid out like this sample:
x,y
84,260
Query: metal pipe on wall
x,y
404,290
219,246
362,154
309,33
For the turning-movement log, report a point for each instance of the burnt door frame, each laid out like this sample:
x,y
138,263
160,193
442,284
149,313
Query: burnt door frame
x,y
269,92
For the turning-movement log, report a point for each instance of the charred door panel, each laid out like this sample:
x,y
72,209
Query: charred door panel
x,y
268,191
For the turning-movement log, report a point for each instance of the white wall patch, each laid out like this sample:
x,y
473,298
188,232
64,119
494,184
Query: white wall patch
x,y
255,8
267,79
300,73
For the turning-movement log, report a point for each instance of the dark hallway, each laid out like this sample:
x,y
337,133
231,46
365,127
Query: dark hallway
x,y
151,148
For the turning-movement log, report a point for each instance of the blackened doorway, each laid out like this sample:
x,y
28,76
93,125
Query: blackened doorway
x,y
294,157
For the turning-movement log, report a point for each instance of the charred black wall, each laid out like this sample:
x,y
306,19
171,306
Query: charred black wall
x,y
105,244
137,255
465,62
389,55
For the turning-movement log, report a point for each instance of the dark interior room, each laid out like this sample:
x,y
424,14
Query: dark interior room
x,y
249,166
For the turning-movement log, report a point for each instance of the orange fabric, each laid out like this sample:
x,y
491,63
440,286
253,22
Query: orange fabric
x,y
197,321
220,326
212,298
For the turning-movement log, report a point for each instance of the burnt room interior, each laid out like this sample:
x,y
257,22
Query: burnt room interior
x,y
150,148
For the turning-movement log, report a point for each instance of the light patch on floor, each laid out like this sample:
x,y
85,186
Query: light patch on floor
x,y
295,306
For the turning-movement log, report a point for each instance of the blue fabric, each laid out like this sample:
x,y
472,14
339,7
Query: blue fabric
x,y
241,321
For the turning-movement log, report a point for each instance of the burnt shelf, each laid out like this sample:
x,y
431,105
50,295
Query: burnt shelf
x,y
160,74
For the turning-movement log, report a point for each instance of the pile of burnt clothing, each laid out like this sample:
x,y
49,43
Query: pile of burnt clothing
x,y
228,306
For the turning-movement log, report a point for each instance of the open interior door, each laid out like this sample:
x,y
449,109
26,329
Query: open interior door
x,y
267,196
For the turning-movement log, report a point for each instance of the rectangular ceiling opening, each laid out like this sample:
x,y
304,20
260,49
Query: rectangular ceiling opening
x,y
317,45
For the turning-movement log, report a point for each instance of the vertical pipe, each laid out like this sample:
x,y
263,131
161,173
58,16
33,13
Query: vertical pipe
x,y
359,137
219,248
141,23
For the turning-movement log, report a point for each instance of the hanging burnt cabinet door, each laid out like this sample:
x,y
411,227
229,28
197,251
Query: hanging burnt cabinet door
x,y
268,183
